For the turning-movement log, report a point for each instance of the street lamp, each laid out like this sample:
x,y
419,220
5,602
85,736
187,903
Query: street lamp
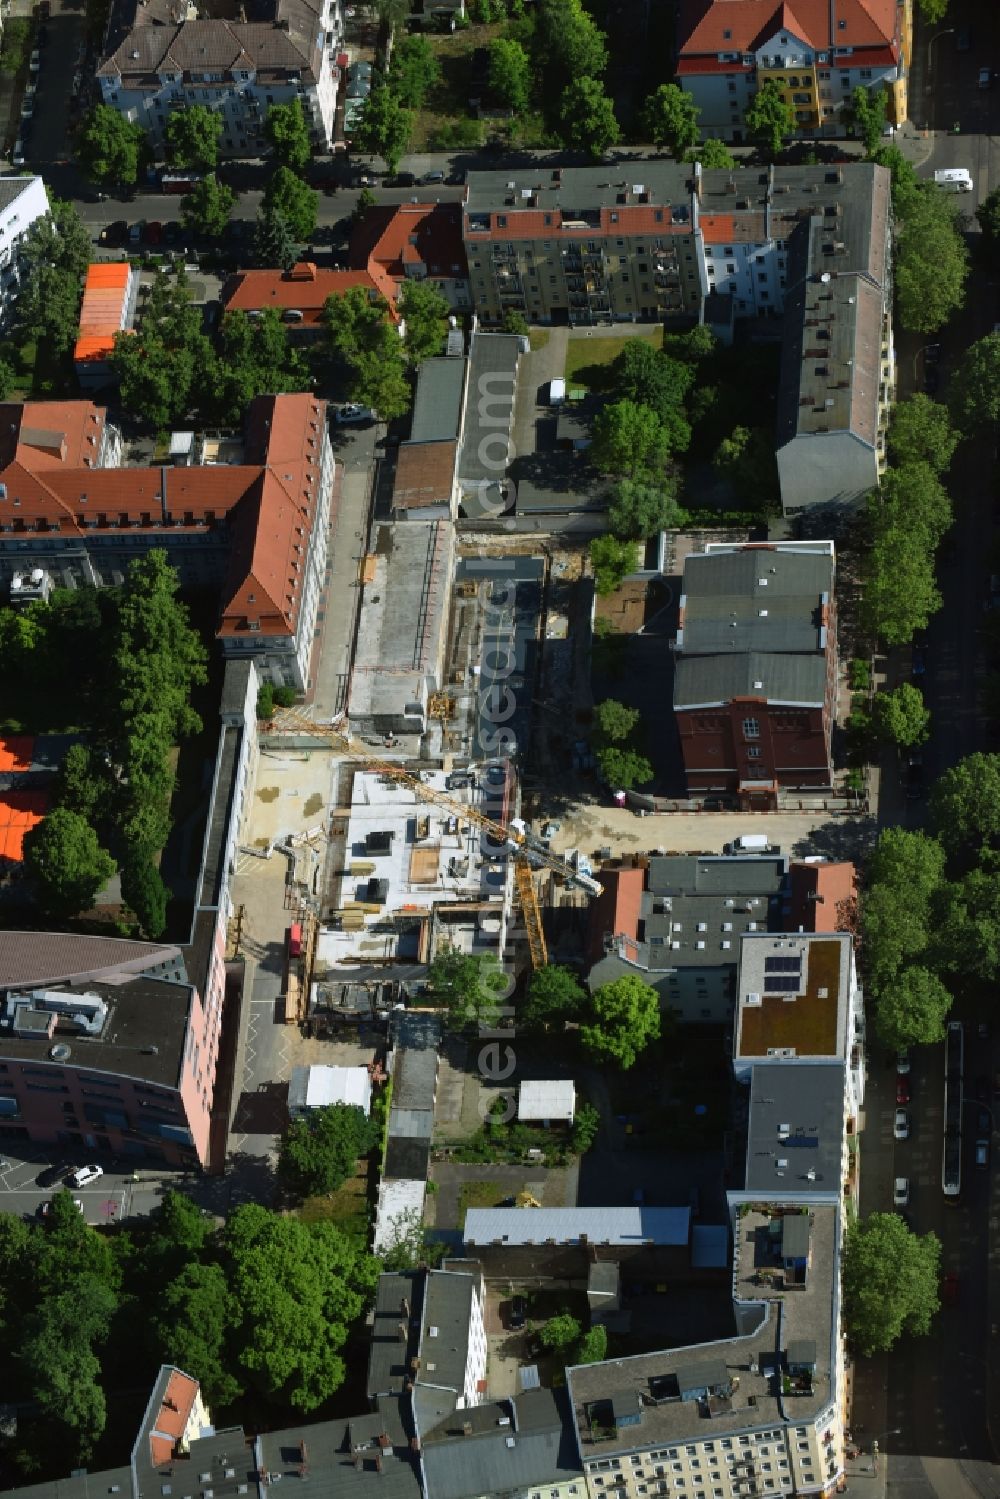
x,y
948,31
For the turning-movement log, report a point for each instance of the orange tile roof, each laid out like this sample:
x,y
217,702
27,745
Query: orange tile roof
x,y
822,897
20,811
428,234
619,219
703,24
305,288
616,912
106,294
50,434
172,1417
16,752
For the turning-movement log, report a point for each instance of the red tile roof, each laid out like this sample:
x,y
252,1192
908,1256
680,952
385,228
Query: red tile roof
x,y
703,24
619,219
305,287
428,234
103,310
822,897
172,1417
616,912
271,501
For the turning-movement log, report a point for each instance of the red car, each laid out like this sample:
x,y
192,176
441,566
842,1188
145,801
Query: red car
x,y
154,232
949,1288
902,1090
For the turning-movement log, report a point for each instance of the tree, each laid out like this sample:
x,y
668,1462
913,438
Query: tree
x,y
974,392
515,322
900,168
193,136
566,45
612,561
587,118
206,208
746,458
298,1288
256,358
988,214
110,147
414,70
410,1245
380,381
60,239
626,1018
905,872
273,243
559,1333
868,108
470,987
615,722
166,368
912,1010
890,1282
624,768
931,260
714,156
651,378
425,312
294,200
900,715
384,126
555,995
320,1152
355,322
81,785
968,935
933,10
768,118
54,257
921,431
586,1125
965,804
56,1355
638,510
288,135
192,1317
366,200
67,863
628,439
510,74
592,1347
145,894
670,119
178,1231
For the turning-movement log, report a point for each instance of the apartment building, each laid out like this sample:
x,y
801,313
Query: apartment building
x,y
414,242
450,1364
22,201
300,294
245,514
652,241
816,55
755,672
238,69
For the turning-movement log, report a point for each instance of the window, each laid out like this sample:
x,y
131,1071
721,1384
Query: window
x,y
730,268
866,72
753,752
751,728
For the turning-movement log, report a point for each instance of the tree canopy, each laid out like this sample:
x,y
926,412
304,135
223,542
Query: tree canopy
x,y
670,119
206,208
424,310
965,804
472,988
69,867
714,155
53,257
567,45
555,996
294,200
167,365
110,148
612,560
587,118
921,431
901,716
912,1010
769,118
629,440
974,390
626,1017
413,71
988,214
320,1152
890,1282
273,242
616,739
868,110
904,874
193,136
931,262
638,510
510,74
287,132
384,126
256,358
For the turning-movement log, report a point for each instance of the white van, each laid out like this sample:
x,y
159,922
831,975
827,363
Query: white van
x,y
557,392
954,180
749,843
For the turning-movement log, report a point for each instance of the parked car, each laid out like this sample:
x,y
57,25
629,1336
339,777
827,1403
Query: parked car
x,y
963,38
949,1288
44,1209
154,232
84,1175
901,1125
932,380
932,354
982,1154
901,1192
985,77
518,1311
984,1030
404,179
903,1061
915,776
902,1091
982,1088
172,231
353,415
135,232
432,177
52,1174
918,661
113,234
455,179
984,1122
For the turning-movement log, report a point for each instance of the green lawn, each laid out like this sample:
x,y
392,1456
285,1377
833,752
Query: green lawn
x,y
347,1208
587,359
481,1194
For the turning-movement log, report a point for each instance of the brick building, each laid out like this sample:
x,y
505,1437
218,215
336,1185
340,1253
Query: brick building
x,y
756,669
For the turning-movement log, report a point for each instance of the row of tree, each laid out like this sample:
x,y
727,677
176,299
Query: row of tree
x,y
262,1305
112,796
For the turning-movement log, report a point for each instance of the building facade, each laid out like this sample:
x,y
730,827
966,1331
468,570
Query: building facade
x,y
816,56
234,68
755,672
22,201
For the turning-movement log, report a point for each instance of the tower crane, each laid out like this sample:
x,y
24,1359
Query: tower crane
x,y
528,851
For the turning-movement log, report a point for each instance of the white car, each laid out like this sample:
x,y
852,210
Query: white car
x,y
353,414
901,1125
901,1192
84,1175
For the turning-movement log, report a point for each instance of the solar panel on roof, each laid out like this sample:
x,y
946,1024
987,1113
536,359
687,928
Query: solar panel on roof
x,y
783,965
778,983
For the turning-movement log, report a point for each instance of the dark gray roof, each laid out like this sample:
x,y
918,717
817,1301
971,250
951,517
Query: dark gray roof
x,y
414,1075
512,1446
389,1351
37,959
367,1453
194,46
111,1483
701,1376
444,1329
801,1351
437,404
796,1118
417,1030
726,592
795,1235
407,1160
489,411
777,678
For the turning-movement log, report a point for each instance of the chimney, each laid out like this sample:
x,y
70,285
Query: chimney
x,y
415,1444
466,1428
384,1440
404,1308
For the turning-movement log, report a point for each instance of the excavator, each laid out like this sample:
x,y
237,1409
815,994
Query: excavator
x,y
529,853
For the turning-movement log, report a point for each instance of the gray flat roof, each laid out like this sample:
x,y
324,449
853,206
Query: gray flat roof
x,y
776,678
398,1299
437,403
512,1445
444,1329
414,1075
757,599
795,1131
489,410
321,1456
629,1225
649,1381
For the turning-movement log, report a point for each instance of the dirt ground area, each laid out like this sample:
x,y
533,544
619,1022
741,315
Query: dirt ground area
x,y
293,794
594,825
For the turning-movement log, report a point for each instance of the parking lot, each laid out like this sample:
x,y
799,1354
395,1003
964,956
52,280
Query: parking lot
x,y
118,1193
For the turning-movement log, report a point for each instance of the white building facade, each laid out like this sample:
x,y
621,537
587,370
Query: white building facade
x,y
22,201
